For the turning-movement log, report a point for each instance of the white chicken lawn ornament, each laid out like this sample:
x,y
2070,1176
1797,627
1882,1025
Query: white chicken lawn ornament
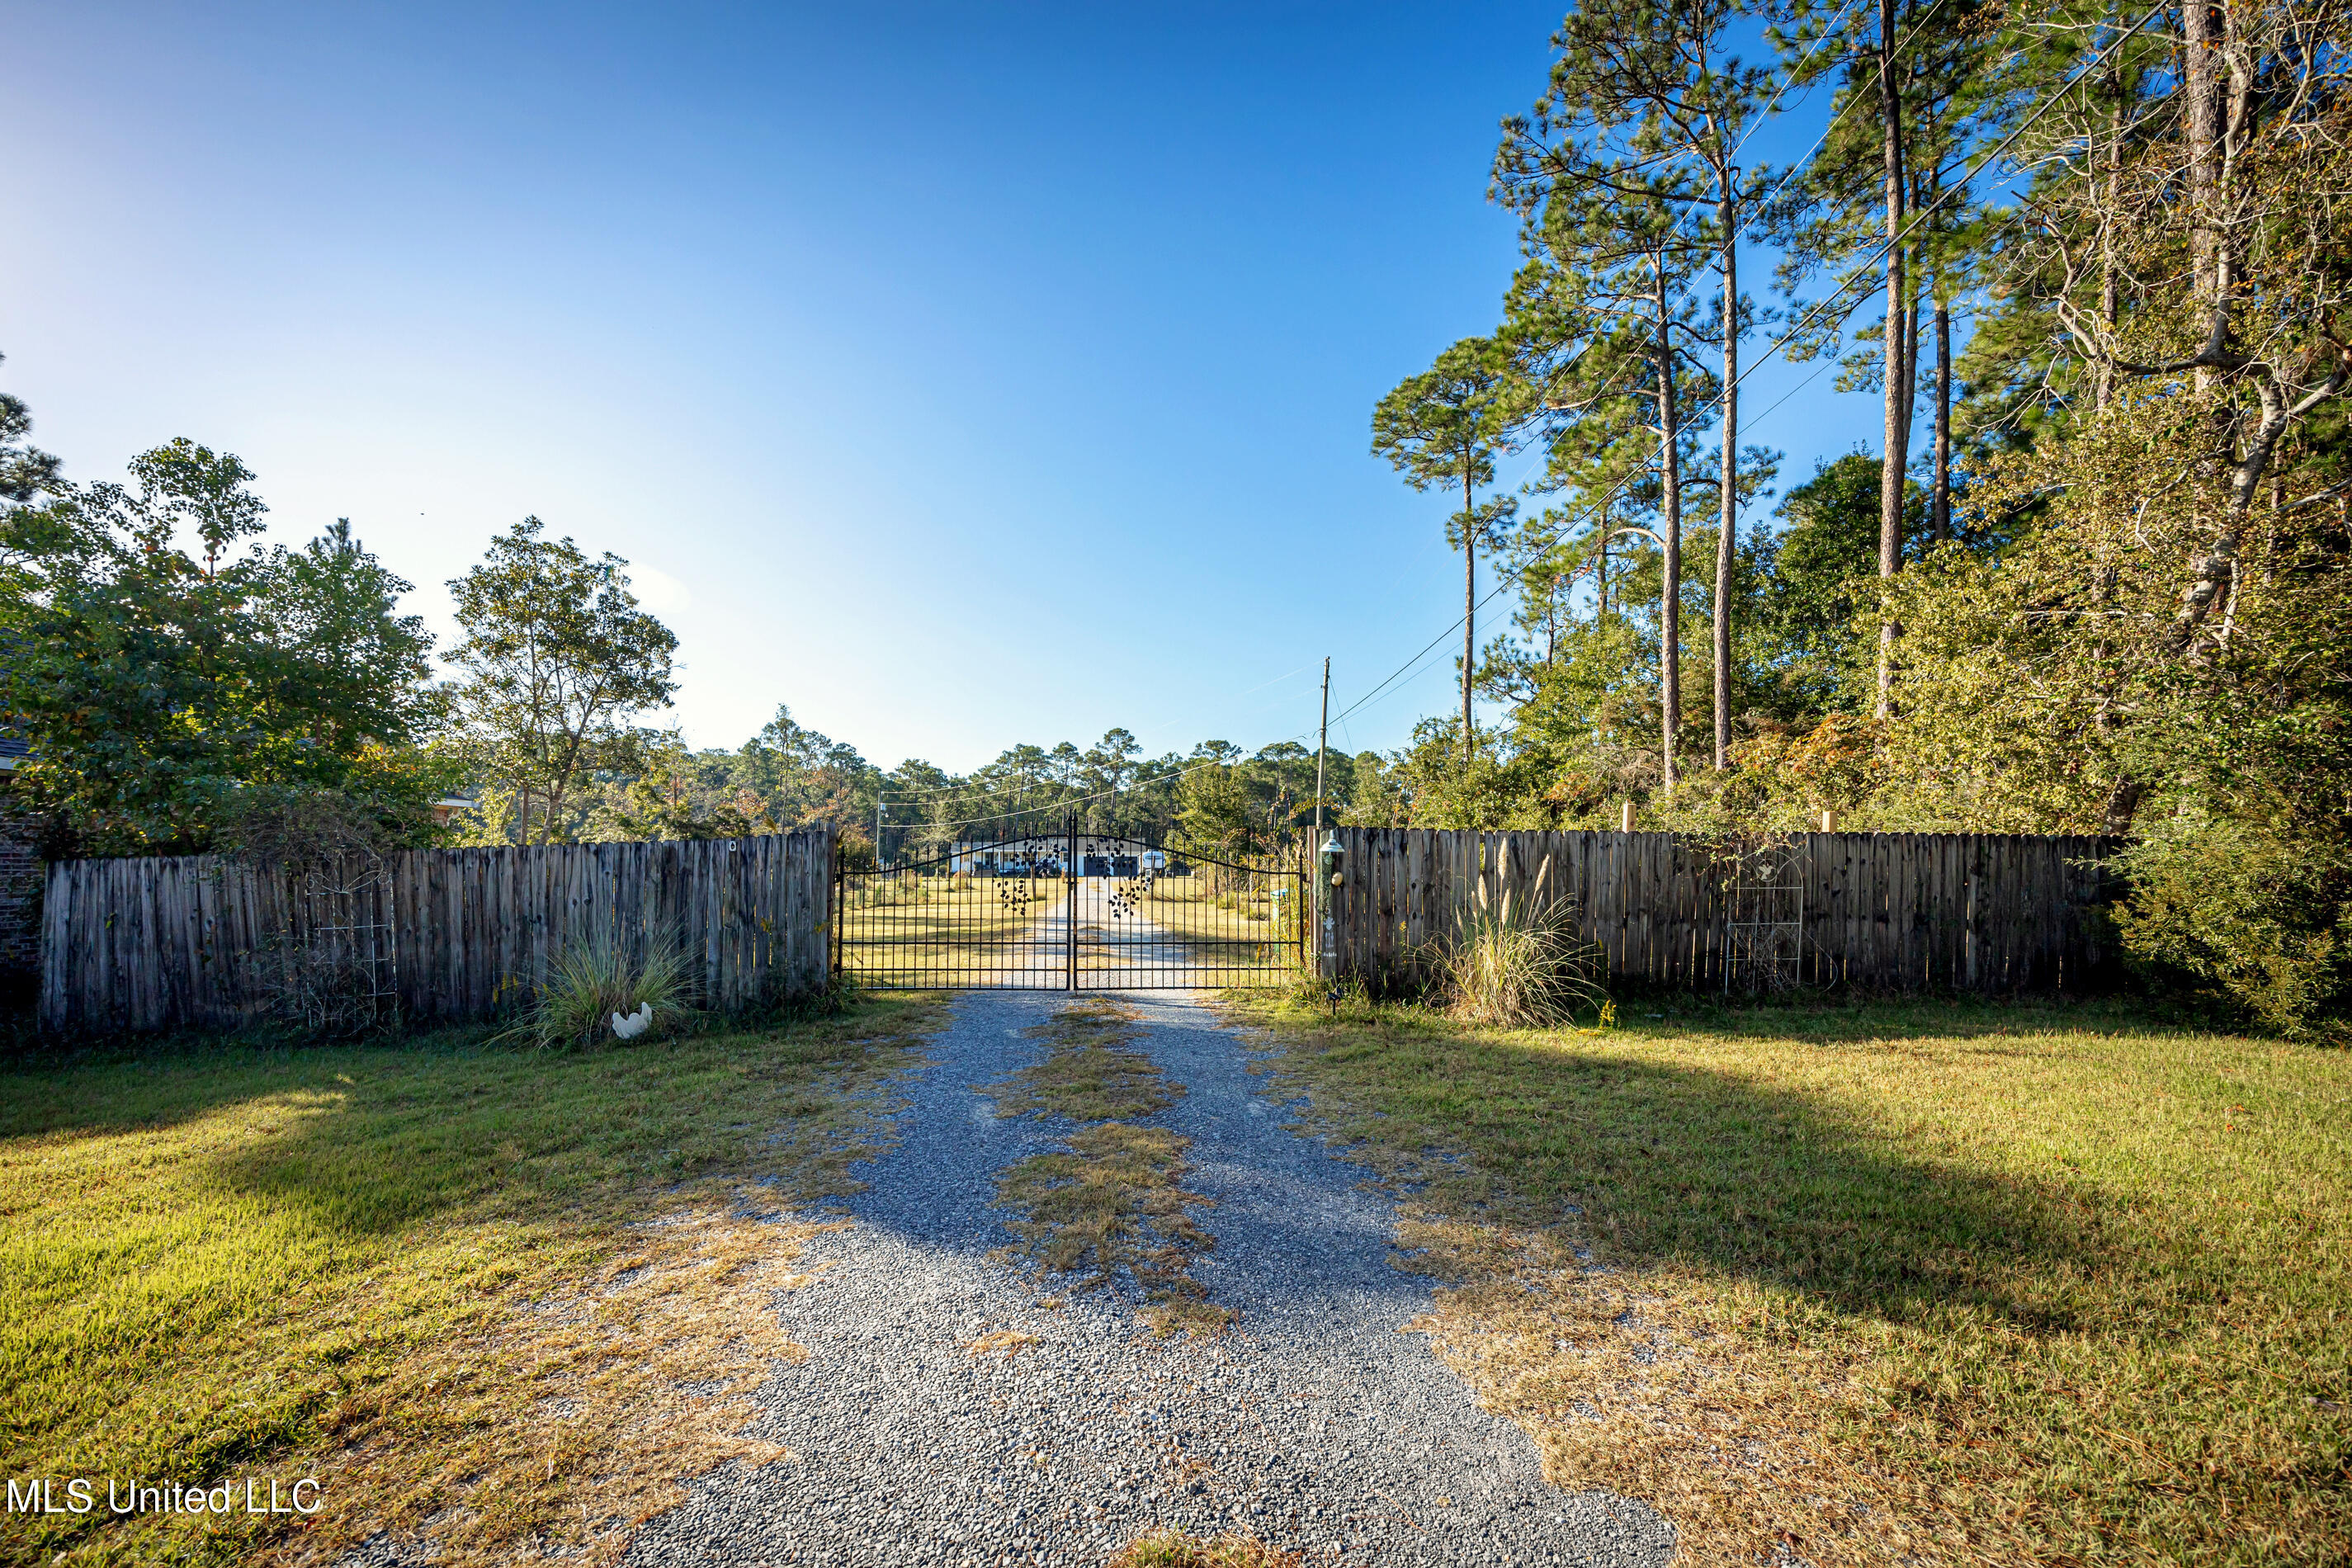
x,y
629,1026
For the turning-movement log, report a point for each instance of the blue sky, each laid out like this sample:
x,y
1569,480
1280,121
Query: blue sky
x,y
958,375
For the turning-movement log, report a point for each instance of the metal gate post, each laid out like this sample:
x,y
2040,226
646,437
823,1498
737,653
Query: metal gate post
x,y
1070,876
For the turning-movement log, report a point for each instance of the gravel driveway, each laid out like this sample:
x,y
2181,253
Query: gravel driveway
x,y
1315,1424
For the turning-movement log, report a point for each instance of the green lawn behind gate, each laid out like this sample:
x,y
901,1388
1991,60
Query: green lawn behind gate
x,y
902,931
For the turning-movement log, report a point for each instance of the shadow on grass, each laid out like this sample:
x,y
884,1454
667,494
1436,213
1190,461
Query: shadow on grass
x,y
104,1085
374,1137
1720,1170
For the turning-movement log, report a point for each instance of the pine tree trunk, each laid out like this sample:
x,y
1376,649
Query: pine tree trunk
x,y
2202,30
2203,35
1943,503
1601,615
2103,380
1897,435
1670,620
1729,495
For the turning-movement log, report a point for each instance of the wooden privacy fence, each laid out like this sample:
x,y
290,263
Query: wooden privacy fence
x,y
1895,910
448,934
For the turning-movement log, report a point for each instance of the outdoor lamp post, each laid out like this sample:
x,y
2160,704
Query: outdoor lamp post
x,y
1331,854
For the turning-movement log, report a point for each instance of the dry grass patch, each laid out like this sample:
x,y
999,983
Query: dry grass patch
x,y
1086,1075
1658,1386
1940,1283
643,1376
501,1301
1112,1201
1174,1549
1005,1341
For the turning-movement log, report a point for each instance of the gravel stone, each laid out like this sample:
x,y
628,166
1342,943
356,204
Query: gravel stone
x,y
1314,1424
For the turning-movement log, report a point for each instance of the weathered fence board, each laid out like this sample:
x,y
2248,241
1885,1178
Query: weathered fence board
x,y
1889,911
454,934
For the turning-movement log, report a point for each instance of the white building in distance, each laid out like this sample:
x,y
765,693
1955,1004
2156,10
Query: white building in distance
x,y
1043,857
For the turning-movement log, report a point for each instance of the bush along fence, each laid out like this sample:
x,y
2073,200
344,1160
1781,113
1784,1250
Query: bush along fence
x,y
1896,911
434,935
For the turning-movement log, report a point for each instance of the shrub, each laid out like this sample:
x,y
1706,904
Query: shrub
x,y
1516,964
840,993
324,991
2247,916
593,980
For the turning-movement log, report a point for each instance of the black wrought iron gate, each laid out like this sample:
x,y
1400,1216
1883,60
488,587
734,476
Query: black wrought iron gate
x,y
1071,910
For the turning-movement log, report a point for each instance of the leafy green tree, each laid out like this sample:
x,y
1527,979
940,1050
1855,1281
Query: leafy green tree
x,y
2232,282
1215,814
558,658
2046,338
808,777
917,791
653,786
165,694
1374,797
1815,587
1444,428
2046,696
1583,724
1106,777
25,471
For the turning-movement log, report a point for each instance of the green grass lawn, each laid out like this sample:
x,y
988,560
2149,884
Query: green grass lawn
x,y
1186,907
446,1278
1945,1282
945,930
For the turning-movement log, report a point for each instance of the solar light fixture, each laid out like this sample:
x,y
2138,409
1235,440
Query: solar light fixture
x,y
1332,854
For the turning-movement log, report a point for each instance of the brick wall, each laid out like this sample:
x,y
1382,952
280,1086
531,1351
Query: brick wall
x,y
20,896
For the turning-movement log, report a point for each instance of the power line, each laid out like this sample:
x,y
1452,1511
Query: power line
x,y
932,791
1068,804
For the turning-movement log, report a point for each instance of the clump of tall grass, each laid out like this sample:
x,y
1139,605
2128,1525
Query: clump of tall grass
x,y
1517,964
591,981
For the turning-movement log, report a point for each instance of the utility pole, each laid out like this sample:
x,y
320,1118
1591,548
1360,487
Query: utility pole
x,y
1322,894
1322,738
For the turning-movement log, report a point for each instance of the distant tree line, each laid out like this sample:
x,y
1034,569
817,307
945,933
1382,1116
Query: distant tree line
x,y
183,688
1216,798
